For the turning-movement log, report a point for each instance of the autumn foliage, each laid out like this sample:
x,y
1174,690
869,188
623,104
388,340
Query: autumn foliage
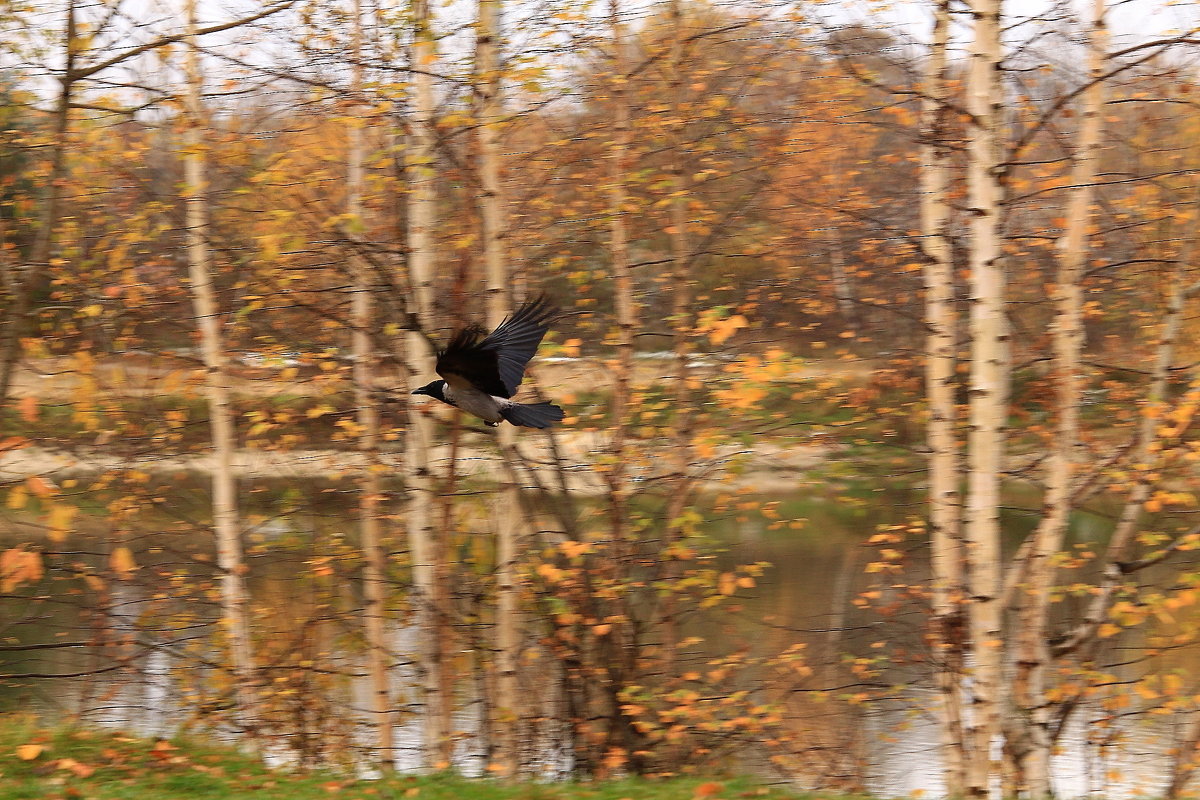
x,y
727,203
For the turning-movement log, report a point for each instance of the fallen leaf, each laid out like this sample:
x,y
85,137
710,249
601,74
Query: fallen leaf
x,y
162,750
28,752
80,770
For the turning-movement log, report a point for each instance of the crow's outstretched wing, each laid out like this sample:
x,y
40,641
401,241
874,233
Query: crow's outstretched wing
x,y
496,363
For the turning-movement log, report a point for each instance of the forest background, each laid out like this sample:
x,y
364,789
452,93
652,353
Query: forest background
x,y
937,261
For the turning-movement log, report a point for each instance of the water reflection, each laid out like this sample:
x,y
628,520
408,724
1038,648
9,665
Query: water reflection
x,y
154,670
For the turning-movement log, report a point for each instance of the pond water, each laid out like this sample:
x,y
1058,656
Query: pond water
x,y
807,595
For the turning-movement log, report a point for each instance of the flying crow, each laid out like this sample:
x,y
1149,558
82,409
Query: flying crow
x,y
483,370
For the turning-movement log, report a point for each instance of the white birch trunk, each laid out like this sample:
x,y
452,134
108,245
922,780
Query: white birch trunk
x,y
1142,459
622,276
1034,745
367,416
945,502
681,330
989,394
208,322
507,708
420,164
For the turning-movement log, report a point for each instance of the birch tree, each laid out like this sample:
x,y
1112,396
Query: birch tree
x,y
989,375
507,511
208,322
620,271
945,504
367,417
421,200
89,49
681,322
1031,740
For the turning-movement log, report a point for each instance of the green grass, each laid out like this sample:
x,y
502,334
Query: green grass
x,y
82,763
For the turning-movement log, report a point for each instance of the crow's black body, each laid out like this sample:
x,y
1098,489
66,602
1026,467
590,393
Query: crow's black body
x,y
481,371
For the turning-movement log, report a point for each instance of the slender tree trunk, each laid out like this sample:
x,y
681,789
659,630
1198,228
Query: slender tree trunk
x,y
945,476
989,394
16,307
1142,459
22,284
681,331
613,650
843,288
208,321
1033,631
507,709
843,284
43,243
621,273
422,199
370,482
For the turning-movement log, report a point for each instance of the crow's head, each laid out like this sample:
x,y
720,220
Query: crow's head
x,y
433,389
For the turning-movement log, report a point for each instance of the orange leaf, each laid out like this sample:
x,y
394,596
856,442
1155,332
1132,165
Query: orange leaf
x,y
28,752
709,789
18,566
28,408
40,486
80,770
14,443
162,749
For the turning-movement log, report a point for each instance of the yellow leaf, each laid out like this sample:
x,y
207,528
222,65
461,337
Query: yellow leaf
x,y
94,310
550,572
573,549
727,584
723,329
18,566
17,498
58,523
28,752
121,561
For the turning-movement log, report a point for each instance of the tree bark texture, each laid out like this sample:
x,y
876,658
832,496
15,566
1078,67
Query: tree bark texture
x,y
430,613
945,461
988,393
1032,748
507,708
226,523
370,491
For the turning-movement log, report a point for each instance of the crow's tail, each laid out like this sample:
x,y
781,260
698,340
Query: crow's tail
x,y
532,415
